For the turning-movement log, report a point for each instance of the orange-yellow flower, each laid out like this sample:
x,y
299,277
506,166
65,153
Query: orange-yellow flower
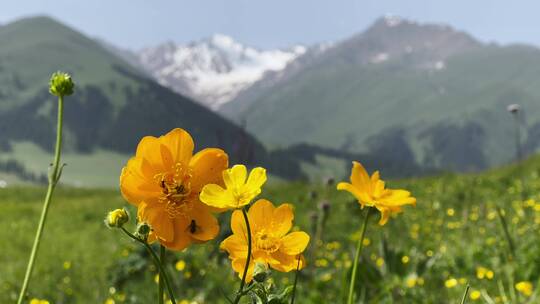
x,y
271,243
164,181
239,191
371,192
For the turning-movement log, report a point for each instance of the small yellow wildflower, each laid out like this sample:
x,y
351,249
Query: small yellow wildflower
x,y
450,283
67,265
411,282
475,295
366,242
38,301
379,262
525,287
109,301
450,212
371,192
240,189
180,265
184,302
405,259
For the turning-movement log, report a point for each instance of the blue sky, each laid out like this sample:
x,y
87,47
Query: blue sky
x,y
275,23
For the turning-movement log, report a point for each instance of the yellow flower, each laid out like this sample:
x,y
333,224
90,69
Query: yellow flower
x,y
450,283
371,192
164,180
271,243
38,301
238,192
475,295
180,265
117,218
525,287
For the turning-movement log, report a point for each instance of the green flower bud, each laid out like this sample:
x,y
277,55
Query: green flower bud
x,y
117,218
143,229
61,84
260,272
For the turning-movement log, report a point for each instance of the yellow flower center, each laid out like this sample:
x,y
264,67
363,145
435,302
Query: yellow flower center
x,y
176,189
266,242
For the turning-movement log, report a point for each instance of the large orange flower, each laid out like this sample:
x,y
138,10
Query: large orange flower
x,y
371,192
271,243
164,180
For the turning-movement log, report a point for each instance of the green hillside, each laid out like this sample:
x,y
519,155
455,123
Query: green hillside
x,y
113,107
422,90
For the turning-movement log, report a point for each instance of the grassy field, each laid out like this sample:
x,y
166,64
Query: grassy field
x,y
427,254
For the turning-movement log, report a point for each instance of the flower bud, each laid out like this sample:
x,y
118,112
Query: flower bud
x,y
117,218
61,84
143,229
260,272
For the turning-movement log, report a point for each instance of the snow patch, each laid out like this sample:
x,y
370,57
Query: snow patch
x,y
215,70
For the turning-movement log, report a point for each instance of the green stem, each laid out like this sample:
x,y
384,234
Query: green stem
x,y
295,280
357,257
464,299
160,281
154,256
240,293
53,180
506,232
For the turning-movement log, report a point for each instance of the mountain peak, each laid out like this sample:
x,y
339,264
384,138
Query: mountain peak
x,y
213,70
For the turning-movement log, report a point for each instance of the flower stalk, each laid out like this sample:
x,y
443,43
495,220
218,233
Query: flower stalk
x,y
357,257
160,281
240,293
162,275
295,280
60,85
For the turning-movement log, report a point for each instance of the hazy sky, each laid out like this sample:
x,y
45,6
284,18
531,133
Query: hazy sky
x,y
275,23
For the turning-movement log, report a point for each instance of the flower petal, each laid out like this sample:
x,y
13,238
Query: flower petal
x,y
182,238
158,219
294,243
360,195
203,226
235,177
208,166
180,144
285,262
149,149
238,266
235,245
238,225
260,215
134,184
215,196
257,178
282,219
359,177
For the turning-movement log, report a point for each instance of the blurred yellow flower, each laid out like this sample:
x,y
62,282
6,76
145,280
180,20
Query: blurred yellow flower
x,y
371,192
450,212
109,301
450,283
475,295
38,301
525,287
240,189
180,265
164,180
271,242
482,272
405,259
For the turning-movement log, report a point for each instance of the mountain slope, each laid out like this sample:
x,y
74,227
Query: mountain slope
x,y
114,104
214,70
437,92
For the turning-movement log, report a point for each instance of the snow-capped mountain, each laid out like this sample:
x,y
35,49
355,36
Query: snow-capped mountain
x,y
213,71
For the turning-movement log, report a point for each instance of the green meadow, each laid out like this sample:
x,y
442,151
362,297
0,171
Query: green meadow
x,y
479,230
